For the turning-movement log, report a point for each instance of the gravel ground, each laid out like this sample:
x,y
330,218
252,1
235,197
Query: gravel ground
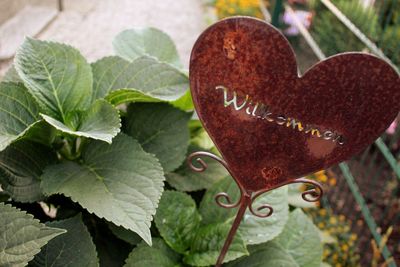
x,y
90,25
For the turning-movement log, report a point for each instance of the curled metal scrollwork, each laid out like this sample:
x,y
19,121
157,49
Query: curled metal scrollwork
x,y
203,165
257,212
310,195
229,204
264,210
313,194
247,199
196,157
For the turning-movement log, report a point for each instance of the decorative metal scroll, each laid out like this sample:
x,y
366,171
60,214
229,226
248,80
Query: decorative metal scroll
x,y
272,125
247,198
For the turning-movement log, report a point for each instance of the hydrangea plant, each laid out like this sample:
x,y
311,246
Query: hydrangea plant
x,y
101,147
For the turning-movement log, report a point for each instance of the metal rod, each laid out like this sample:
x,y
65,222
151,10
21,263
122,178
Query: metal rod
x,y
264,11
389,157
304,32
357,32
365,211
276,13
244,203
247,198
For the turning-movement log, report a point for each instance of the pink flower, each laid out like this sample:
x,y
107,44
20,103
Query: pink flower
x,y
303,16
392,128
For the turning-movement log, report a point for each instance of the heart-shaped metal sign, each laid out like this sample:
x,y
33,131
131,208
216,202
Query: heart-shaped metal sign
x,y
272,125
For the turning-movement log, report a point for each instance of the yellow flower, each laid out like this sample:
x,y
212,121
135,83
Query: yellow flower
x,y
322,178
322,212
353,237
258,14
219,3
345,247
335,257
333,220
332,181
342,218
321,225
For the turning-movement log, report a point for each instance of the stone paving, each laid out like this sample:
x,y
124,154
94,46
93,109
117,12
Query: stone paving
x,y
90,25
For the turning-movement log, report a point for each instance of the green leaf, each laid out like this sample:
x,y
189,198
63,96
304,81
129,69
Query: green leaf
x,y
301,240
185,102
254,230
210,211
185,179
208,243
202,139
134,43
159,255
18,112
119,182
265,255
21,236
257,230
124,234
4,196
121,96
57,76
199,136
297,246
101,122
161,130
145,74
75,248
21,165
41,132
12,75
177,220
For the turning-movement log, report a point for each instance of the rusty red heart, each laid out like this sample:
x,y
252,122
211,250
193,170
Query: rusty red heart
x,y
272,125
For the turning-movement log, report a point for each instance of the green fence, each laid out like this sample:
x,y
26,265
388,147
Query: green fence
x,y
368,187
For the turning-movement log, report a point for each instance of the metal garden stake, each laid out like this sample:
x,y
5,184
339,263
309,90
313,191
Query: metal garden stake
x,y
273,126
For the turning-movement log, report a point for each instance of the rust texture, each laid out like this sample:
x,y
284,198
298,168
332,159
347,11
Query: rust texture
x,y
346,101
247,198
